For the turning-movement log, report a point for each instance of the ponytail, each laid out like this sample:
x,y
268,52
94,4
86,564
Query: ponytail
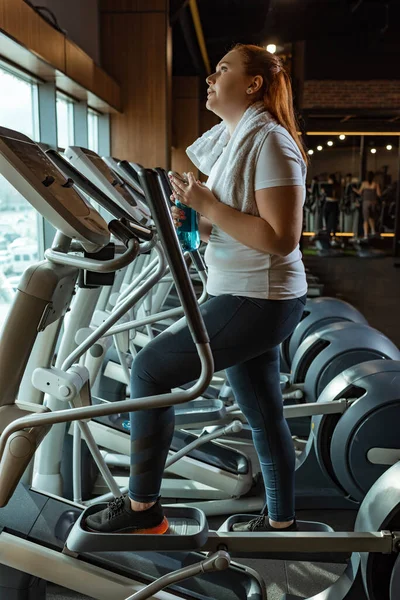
x,y
276,91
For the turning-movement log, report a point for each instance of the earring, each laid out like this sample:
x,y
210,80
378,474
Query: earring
x,y
249,90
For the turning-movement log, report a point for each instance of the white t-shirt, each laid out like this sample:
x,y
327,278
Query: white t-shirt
x,y
236,269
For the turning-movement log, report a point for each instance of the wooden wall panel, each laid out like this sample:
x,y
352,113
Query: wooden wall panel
x,y
186,87
21,22
78,65
135,52
185,121
16,53
105,87
207,119
132,5
31,43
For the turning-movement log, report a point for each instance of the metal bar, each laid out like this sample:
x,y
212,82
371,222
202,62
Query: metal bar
x,y
166,314
117,313
315,408
77,463
199,34
66,571
336,407
122,361
137,280
363,159
299,542
396,241
216,562
107,266
99,460
233,427
357,6
107,496
90,412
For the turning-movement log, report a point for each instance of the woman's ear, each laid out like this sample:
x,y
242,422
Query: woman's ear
x,y
257,83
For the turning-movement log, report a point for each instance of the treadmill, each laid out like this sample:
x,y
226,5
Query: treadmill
x,y
35,525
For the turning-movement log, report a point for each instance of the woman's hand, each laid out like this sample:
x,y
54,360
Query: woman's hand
x,y
178,215
193,194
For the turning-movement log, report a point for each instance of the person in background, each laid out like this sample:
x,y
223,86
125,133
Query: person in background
x,y
331,210
369,191
350,206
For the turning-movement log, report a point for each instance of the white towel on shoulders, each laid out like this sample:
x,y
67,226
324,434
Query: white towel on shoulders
x,y
233,180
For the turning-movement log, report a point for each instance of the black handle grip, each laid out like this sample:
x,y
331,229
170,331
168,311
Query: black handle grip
x,y
137,196
121,231
141,231
165,186
151,182
198,260
131,169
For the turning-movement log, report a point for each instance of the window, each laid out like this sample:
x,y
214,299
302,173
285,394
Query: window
x,y
18,103
93,130
18,219
65,121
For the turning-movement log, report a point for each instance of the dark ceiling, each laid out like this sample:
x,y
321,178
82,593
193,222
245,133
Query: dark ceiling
x,y
338,39
367,24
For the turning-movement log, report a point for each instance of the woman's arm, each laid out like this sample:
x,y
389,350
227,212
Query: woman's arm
x,y
360,191
205,227
378,190
278,228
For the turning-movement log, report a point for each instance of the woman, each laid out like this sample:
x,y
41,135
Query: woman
x,y
369,191
331,212
251,217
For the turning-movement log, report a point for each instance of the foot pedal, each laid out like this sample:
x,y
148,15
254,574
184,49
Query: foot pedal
x,y
188,530
313,526
199,412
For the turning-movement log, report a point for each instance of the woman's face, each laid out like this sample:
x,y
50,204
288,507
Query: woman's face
x,y
229,87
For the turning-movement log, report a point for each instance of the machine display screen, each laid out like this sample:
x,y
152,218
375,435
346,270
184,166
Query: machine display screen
x,y
47,173
104,170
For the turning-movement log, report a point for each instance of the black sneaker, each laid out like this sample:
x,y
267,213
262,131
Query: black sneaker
x,y
118,517
260,524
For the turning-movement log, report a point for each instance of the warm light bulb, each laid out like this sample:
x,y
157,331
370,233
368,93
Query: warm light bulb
x,y
389,147
271,48
342,137
319,148
330,143
311,152
373,150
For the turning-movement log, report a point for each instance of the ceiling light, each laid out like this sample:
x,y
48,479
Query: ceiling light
x,y
389,147
330,143
342,137
373,150
271,48
311,152
319,148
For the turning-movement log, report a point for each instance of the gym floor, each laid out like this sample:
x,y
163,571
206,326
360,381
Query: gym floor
x,y
303,579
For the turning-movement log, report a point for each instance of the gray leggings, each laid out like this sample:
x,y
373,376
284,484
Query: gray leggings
x,y
245,334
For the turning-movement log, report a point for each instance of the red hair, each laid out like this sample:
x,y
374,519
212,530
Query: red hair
x,y
276,90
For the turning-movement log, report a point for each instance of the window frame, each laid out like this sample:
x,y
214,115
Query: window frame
x,y
71,102
98,115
